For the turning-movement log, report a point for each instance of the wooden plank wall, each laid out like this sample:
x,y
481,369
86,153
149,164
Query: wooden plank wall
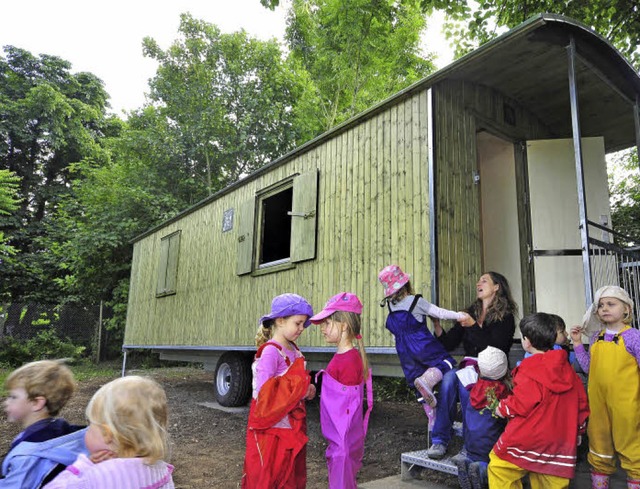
x,y
461,109
372,211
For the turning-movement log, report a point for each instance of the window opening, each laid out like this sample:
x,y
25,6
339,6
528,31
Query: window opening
x,y
275,243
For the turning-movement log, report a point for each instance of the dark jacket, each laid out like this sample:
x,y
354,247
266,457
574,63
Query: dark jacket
x,y
498,334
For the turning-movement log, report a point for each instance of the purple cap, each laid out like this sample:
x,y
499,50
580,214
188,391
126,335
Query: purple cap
x,y
344,301
288,305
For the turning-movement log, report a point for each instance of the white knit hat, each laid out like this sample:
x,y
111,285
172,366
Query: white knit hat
x,y
493,363
590,322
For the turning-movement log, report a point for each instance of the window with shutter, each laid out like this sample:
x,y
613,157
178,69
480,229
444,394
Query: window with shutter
x,y
278,227
168,265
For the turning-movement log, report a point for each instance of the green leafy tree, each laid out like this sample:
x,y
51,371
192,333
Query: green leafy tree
x,y
475,23
356,53
50,118
9,202
110,203
228,98
624,182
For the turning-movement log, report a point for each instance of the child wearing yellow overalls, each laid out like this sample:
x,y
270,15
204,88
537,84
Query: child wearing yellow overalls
x,y
614,385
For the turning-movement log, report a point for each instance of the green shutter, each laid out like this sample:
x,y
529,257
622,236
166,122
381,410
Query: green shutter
x,y
172,263
162,266
245,215
304,216
168,265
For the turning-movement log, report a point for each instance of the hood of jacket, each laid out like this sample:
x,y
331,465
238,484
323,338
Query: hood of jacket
x,y
551,369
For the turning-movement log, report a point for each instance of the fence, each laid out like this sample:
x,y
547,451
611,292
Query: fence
x,y
83,325
612,264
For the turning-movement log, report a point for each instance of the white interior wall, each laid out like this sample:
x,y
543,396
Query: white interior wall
x,y
559,280
500,235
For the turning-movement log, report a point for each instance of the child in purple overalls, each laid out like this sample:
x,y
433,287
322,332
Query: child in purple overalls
x,y
423,358
341,399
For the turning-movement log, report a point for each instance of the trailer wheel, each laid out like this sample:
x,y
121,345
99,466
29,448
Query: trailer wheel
x,y
232,380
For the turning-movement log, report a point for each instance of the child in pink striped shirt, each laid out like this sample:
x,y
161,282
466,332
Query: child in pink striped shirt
x,y
126,439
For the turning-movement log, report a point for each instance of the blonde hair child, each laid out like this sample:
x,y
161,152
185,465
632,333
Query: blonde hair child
x,y
127,439
341,415
276,430
613,363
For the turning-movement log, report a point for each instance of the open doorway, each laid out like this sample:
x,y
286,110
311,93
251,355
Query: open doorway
x,y
499,210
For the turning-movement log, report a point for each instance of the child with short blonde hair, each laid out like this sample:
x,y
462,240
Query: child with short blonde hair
x,y
127,439
37,393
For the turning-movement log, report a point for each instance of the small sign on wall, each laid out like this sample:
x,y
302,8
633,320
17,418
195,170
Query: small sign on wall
x,y
227,220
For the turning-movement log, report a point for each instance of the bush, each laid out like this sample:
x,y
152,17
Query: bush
x,y
392,389
45,345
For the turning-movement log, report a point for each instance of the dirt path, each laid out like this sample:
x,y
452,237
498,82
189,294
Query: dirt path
x,y
208,444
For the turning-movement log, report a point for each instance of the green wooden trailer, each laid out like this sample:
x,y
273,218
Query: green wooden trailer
x,y
496,162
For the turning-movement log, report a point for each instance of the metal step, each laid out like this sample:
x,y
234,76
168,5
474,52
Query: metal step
x,y
411,461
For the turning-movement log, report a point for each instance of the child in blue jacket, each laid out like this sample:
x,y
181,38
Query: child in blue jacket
x,y
37,393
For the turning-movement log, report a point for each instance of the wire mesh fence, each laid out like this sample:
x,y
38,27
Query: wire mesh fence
x,y
82,325
612,264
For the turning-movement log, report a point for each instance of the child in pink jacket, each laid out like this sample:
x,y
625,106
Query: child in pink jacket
x,y
126,439
341,399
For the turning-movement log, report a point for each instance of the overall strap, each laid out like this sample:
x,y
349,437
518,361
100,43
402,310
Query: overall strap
x,y
279,347
616,336
369,389
415,302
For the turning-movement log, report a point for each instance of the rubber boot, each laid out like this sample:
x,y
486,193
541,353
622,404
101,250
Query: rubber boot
x,y
633,483
599,481
431,414
462,463
425,384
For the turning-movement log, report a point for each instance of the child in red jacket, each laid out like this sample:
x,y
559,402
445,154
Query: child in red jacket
x,y
547,411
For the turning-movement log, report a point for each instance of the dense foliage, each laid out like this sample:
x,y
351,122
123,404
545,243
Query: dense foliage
x,y
50,119
357,53
474,23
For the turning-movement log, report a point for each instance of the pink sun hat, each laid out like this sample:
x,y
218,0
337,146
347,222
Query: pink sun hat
x,y
344,301
392,279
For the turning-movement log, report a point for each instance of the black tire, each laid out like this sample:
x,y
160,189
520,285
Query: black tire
x,y
232,379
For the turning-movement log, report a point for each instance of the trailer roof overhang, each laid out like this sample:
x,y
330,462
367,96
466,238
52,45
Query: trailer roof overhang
x,y
529,65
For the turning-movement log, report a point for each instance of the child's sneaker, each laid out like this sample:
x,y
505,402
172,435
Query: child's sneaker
x,y
437,451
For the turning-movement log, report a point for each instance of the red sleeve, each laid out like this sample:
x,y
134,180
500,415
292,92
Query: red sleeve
x,y
583,408
526,395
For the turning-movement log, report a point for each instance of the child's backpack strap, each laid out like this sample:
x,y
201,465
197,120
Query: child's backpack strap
x,y
279,347
415,302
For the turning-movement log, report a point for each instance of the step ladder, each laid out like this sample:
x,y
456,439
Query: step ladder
x,y
412,462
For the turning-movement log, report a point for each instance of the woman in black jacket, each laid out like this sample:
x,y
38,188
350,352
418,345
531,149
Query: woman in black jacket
x,y
492,323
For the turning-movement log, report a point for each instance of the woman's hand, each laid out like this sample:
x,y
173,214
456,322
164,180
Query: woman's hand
x,y
311,392
437,328
467,320
101,456
576,335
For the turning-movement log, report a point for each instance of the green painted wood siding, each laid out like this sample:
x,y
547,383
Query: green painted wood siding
x,y
372,210
461,109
